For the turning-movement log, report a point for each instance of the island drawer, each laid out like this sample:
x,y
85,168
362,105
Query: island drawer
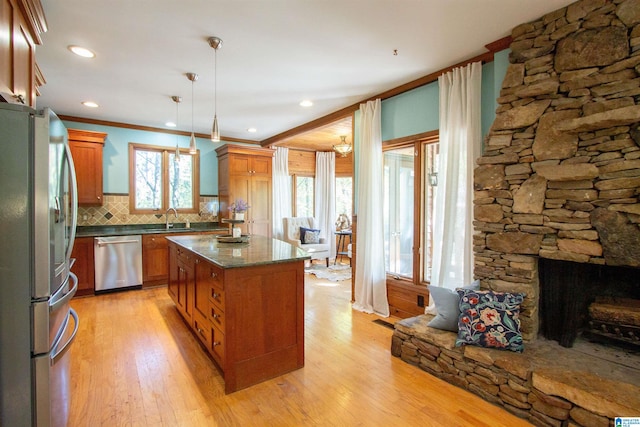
x,y
217,316
202,329
216,296
217,346
213,275
184,255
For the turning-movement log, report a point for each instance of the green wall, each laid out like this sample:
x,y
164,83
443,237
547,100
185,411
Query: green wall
x,y
116,155
416,111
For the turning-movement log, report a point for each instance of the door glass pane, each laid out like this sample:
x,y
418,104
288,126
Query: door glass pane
x,y
180,182
430,166
344,196
148,177
398,211
304,196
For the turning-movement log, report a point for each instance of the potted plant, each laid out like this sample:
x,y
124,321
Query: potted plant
x,y
237,209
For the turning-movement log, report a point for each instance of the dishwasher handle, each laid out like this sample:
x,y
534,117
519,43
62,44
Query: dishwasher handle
x,y
115,242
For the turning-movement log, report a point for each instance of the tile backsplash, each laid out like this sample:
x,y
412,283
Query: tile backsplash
x,y
115,211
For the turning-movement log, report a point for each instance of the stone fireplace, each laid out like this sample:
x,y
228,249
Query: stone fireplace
x,y
560,173
559,180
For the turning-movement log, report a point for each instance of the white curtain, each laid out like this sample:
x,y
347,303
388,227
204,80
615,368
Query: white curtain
x,y
281,190
370,278
325,197
460,141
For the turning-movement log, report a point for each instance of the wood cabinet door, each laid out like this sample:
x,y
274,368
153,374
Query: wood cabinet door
x,y
87,158
155,253
240,188
260,212
201,290
173,285
186,285
239,165
84,267
261,166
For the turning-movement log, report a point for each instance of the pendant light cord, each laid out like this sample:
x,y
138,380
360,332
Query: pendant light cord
x,y
215,82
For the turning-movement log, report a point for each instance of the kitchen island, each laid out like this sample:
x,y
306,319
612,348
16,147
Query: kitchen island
x,y
244,302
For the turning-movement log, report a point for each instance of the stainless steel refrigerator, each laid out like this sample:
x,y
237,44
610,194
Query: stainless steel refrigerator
x,y
38,211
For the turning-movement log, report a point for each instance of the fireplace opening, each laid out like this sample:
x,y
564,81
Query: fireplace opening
x,y
596,302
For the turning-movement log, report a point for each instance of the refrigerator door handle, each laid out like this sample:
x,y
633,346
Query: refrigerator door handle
x,y
57,302
74,200
57,353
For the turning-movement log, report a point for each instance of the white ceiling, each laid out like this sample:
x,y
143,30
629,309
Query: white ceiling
x,y
275,53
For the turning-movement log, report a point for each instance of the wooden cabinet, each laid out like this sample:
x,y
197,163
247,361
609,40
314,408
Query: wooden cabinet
x,y
406,299
245,173
21,23
181,286
155,256
84,267
249,319
155,266
86,149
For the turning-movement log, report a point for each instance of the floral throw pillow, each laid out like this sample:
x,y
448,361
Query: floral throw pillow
x,y
490,319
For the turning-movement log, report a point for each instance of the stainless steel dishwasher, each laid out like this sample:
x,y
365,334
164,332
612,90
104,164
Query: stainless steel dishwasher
x,y
118,262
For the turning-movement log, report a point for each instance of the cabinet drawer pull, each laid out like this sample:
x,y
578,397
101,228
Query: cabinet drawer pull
x,y
213,275
216,343
201,332
216,295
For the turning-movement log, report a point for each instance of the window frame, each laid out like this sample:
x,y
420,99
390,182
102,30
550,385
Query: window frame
x,y
165,152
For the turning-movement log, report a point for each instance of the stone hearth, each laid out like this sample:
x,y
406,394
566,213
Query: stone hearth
x,y
548,385
559,178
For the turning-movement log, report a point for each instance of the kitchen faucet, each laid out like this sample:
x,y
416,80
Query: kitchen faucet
x,y
167,225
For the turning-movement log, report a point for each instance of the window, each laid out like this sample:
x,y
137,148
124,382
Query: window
x,y
410,182
158,182
303,196
344,196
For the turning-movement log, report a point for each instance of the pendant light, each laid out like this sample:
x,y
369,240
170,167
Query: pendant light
x,y
215,43
344,147
177,100
192,142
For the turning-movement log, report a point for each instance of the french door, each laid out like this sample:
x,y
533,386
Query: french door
x,y
410,184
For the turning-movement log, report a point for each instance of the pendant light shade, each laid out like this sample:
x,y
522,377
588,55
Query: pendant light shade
x,y
215,43
192,141
215,131
177,100
344,147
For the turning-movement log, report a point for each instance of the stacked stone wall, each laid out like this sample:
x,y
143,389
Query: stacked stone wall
x,y
560,174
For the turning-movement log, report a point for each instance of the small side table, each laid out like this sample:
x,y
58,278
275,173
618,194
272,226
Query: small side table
x,y
341,248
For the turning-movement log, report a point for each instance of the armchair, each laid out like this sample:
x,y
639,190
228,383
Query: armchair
x,y
291,228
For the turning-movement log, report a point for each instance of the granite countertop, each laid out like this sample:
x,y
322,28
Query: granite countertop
x,y
127,230
259,250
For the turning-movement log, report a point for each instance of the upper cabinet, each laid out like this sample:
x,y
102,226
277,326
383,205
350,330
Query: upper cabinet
x,y
21,23
86,149
245,173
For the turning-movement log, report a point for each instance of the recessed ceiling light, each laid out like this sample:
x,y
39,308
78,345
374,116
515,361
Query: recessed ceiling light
x,y
82,51
90,104
252,130
306,103
170,124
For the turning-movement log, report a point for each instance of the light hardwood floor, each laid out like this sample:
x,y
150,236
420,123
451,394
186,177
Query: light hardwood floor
x,y
135,363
